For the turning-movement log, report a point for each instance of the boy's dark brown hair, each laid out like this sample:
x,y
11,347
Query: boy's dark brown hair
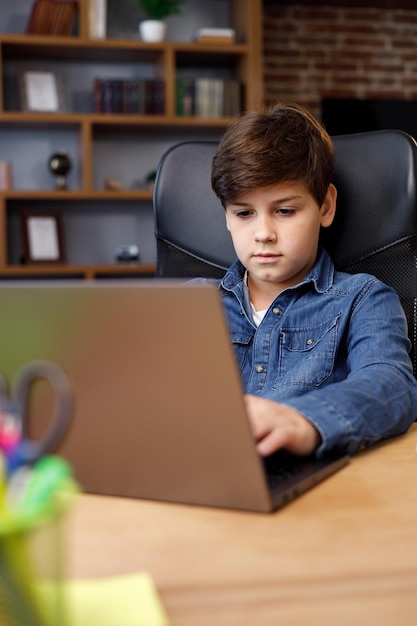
x,y
282,143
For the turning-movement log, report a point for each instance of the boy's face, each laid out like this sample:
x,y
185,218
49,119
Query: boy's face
x,y
275,233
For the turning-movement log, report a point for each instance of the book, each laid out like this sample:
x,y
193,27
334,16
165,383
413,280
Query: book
x,y
159,96
66,20
52,17
40,18
214,35
140,96
154,96
216,98
189,96
107,95
202,97
185,96
179,96
129,96
208,97
232,97
97,19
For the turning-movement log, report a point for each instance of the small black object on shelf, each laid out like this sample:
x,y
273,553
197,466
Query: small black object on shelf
x,y
60,164
127,254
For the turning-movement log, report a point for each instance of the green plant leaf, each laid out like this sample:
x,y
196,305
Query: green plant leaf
x,y
159,9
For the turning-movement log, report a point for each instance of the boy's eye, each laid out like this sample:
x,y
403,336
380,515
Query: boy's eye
x,y
285,211
242,213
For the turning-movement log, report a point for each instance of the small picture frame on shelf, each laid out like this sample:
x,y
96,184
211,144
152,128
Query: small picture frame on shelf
x,y
42,237
41,91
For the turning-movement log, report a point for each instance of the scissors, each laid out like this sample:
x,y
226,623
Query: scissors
x,y
17,447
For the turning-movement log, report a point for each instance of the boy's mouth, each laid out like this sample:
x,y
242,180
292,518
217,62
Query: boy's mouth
x,y
266,258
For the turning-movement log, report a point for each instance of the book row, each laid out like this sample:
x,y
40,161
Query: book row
x,y
135,97
208,97
200,97
52,17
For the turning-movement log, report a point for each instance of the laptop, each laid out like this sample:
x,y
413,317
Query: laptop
x,y
158,402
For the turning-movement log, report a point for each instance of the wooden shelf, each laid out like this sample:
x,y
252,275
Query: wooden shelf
x,y
106,145
25,118
78,271
84,48
68,195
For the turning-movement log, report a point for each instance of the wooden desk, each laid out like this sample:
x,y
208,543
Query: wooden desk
x,y
345,553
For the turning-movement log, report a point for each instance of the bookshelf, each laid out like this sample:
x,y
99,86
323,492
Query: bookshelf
x,y
125,147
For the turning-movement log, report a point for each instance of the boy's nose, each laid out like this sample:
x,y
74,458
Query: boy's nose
x,y
264,230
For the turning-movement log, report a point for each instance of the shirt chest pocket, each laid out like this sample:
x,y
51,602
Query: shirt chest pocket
x,y
307,355
241,343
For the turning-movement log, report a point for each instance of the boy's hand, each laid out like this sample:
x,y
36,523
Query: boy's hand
x,y
275,425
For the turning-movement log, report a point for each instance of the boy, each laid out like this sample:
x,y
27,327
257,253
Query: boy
x,y
323,355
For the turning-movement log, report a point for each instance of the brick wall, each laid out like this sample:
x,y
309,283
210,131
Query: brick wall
x,y
339,52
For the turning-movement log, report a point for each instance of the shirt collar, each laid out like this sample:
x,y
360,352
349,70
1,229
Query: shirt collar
x,y
321,275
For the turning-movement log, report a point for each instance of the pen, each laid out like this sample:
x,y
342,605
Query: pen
x,y
10,432
38,487
3,488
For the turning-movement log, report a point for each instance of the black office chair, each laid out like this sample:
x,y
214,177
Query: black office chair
x,y
375,229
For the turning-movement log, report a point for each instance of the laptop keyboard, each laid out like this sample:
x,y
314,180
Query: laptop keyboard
x,y
282,466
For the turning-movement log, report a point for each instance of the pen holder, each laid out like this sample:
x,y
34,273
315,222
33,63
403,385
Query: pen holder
x,y
32,565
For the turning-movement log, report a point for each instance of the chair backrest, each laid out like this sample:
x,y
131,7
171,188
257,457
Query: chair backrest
x,y
375,229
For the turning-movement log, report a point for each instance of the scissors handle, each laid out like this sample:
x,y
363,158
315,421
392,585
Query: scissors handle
x,y
31,450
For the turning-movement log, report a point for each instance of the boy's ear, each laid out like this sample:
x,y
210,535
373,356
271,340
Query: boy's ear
x,y
227,221
328,208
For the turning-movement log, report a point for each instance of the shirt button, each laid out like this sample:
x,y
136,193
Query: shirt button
x,y
276,310
309,342
259,369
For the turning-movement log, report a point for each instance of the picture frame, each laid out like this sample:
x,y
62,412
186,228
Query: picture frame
x,y
42,237
41,90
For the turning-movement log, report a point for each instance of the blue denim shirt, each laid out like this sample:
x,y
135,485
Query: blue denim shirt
x,y
334,347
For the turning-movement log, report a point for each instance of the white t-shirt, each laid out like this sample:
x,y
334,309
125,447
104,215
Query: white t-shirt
x,y
257,315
